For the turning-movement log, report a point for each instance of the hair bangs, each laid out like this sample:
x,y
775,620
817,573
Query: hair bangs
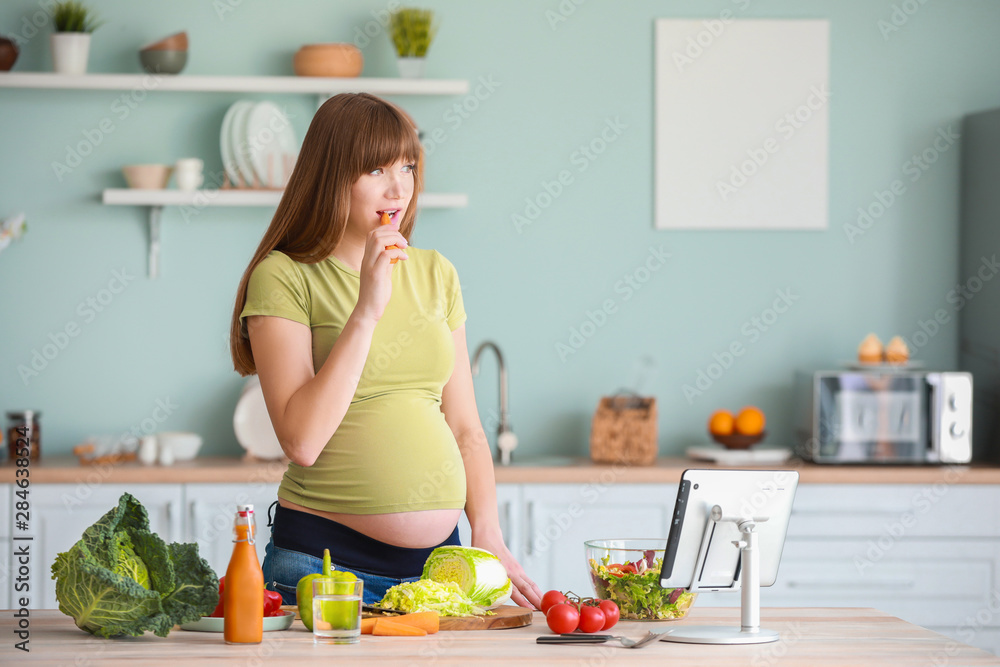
x,y
388,136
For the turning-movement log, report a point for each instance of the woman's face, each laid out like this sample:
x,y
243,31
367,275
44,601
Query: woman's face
x,y
388,188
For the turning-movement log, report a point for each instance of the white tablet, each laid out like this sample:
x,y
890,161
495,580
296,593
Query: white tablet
x,y
757,494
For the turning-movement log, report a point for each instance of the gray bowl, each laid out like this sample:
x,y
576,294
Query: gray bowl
x,y
163,62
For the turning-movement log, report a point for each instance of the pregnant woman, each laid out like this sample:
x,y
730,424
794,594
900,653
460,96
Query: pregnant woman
x,y
359,342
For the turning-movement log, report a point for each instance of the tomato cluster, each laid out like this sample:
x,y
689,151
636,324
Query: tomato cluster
x,y
566,612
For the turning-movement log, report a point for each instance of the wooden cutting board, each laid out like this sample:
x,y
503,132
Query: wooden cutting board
x,y
506,616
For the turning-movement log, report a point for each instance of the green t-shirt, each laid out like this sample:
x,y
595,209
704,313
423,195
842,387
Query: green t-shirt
x,y
393,451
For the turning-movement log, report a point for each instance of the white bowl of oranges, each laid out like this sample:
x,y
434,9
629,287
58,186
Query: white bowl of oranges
x,y
739,431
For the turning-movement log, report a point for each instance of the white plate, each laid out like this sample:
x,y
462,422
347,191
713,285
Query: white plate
x,y
226,142
911,365
253,425
270,136
238,136
735,457
216,624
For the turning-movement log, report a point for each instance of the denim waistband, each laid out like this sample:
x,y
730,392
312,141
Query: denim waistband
x,y
311,534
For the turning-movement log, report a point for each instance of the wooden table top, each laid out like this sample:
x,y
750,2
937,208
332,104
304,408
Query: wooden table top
x,y
814,637
551,470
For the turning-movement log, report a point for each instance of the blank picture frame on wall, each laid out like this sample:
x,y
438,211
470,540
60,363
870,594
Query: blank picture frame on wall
x,y
742,124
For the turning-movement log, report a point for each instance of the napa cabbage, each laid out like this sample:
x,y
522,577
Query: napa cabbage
x,y
478,573
122,579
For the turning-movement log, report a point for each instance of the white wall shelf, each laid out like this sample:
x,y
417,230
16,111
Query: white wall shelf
x,y
157,199
234,84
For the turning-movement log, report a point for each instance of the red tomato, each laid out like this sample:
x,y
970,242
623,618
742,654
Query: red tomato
x,y
551,599
630,568
591,618
219,610
272,603
562,618
611,614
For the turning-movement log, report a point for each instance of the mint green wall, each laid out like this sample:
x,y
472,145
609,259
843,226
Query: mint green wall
x,y
165,340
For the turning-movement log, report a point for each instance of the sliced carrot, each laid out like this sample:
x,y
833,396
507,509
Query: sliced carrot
x,y
367,625
386,628
428,621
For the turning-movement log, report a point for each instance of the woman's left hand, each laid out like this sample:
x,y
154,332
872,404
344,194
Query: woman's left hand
x,y
526,592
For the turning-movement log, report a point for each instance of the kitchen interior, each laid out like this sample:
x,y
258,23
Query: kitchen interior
x,y
690,235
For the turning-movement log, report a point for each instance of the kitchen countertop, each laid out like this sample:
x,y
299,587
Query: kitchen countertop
x,y
551,470
841,636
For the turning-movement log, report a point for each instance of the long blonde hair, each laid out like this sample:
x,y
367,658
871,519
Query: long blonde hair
x,y
350,135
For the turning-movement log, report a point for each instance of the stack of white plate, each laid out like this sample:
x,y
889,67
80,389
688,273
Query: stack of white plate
x,y
258,144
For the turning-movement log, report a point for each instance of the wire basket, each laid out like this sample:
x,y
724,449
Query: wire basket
x,y
624,430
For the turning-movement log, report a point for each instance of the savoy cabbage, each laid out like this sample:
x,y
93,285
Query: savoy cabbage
x,y
122,579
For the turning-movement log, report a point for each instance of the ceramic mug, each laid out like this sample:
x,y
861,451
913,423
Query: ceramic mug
x,y
188,173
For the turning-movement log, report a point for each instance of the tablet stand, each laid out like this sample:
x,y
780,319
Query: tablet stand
x,y
748,581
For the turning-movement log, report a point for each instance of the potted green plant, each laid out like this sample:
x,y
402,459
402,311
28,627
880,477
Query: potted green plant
x,y
73,23
412,32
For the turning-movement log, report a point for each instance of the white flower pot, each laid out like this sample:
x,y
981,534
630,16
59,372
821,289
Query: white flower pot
x,y
70,51
411,68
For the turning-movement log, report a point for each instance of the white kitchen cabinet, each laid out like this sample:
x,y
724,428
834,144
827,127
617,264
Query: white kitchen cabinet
x,y
508,509
61,512
211,509
559,518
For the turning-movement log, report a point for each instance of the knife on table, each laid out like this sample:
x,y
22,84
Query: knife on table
x,y
573,639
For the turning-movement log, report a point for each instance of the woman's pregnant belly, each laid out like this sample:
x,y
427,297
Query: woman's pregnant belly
x,y
414,530
391,471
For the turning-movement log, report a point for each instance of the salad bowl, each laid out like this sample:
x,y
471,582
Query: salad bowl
x,y
627,572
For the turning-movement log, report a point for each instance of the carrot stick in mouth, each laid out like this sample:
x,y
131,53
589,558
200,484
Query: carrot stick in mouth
x,y
386,220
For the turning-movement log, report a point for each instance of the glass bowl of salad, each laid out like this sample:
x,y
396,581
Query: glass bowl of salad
x,y
627,572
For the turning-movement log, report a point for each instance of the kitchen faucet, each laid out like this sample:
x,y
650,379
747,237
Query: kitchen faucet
x,y
506,440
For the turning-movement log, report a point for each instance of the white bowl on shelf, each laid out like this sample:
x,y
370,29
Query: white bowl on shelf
x,y
183,445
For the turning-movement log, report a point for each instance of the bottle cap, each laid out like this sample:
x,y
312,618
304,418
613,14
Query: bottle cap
x,y
244,508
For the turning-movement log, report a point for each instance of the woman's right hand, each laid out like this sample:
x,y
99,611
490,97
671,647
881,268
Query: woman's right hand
x,y
376,270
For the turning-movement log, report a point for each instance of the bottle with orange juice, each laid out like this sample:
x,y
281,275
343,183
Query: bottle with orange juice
x,y
244,592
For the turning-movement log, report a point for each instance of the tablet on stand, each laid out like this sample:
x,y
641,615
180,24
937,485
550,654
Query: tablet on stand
x,y
727,534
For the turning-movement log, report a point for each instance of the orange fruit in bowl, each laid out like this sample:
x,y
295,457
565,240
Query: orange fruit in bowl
x,y
750,421
721,423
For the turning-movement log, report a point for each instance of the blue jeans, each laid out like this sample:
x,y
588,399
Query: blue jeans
x,y
283,568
